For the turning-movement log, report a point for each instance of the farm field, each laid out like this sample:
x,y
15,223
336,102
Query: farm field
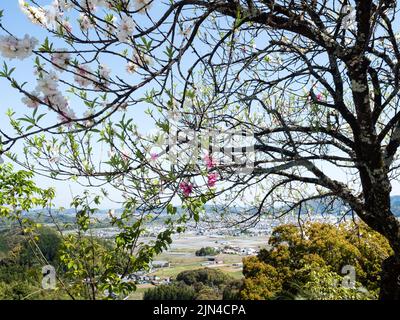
x,y
181,257
182,254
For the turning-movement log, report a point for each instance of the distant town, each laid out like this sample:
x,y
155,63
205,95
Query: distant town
x,y
230,245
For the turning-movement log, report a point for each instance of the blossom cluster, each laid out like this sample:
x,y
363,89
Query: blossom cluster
x,y
83,76
47,16
37,15
139,5
50,16
11,47
125,28
61,59
47,85
186,187
212,177
84,22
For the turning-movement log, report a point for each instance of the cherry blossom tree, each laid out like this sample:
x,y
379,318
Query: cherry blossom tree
x,y
289,101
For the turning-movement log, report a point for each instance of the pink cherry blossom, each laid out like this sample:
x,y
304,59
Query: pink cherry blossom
x,y
84,22
186,188
67,26
153,156
125,29
320,97
212,179
209,161
131,67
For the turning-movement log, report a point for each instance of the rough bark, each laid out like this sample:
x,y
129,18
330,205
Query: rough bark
x,y
380,218
390,279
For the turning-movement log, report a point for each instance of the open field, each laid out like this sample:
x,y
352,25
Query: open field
x,y
188,242
181,257
182,254
140,289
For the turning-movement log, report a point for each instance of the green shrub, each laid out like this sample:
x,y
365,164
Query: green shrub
x,y
305,262
206,251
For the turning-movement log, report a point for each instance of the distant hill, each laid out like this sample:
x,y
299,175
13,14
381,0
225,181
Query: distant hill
x,y
395,204
335,207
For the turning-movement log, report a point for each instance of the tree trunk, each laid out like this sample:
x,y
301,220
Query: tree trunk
x,y
374,169
390,279
378,216
386,223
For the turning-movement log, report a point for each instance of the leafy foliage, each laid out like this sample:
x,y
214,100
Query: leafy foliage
x,y
323,284
19,193
20,265
243,66
176,291
308,262
206,251
206,276
200,284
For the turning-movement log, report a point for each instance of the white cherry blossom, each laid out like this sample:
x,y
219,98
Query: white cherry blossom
x,y
48,84
143,5
66,115
84,22
125,28
11,47
83,76
29,102
131,67
61,59
36,15
104,72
